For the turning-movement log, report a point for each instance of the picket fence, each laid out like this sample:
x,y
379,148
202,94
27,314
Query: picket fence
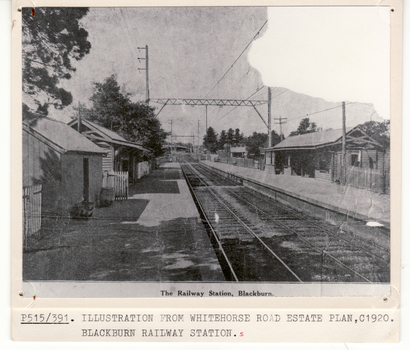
x,y
118,180
31,210
242,162
373,179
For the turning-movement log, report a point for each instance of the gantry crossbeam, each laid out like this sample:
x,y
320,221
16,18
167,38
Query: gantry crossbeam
x,y
208,102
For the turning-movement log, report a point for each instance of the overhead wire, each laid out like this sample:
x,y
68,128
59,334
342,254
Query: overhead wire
x,y
129,34
250,97
257,90
275,95
244,77
317,112
237,59
293,118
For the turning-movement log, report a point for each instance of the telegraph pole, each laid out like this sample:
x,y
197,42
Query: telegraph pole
x,y
269,117
343,144
79,118
171,138
206,118
146,72
197,150
281,121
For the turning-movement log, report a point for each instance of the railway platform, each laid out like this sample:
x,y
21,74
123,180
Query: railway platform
x,y
154,236
171,216
354,202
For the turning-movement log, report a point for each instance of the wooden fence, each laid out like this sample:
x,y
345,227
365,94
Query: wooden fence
x,y
373,179
242,162
31,211
117,180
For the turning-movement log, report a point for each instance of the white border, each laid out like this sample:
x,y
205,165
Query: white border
x,y
5,142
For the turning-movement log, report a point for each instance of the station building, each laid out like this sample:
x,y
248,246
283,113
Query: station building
x,y
319,155
122,155
65,163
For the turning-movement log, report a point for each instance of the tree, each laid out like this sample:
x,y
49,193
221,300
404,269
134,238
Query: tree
x,y
82,110
51,39
110,106
305,127
211,140
223,139
380,131
275,138
260,140
134,121
255,142
141,125
230,136
238,137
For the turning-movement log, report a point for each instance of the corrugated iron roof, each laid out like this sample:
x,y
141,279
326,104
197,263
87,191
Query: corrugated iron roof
x,y
64,136
123,143
311,140
111,134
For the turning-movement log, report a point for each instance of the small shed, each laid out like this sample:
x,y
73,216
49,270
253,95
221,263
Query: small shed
x,y
319,155
122,155
65,163
177,148
238,151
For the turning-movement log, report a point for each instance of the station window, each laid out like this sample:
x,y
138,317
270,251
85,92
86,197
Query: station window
x,y
355,160
324,162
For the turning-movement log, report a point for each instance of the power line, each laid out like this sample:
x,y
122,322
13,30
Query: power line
x,y
237,59
129,34
280,122
257,90
250,97
244,77
323,110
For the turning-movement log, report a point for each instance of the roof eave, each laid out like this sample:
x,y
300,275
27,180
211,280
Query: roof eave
x,y
86,152
44,139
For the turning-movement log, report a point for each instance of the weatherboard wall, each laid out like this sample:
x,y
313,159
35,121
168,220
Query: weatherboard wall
x,y
42,165
73,178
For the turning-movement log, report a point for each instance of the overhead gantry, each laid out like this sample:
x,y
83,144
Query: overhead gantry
x,y
217,102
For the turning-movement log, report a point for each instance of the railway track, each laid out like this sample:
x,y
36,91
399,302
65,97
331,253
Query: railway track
x,y
244,253
276,211
310,250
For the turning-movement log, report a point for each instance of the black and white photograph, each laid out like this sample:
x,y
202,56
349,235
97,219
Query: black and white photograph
x,y
206,151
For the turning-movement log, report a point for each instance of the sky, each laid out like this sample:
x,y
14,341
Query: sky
x,y
337,54
190,49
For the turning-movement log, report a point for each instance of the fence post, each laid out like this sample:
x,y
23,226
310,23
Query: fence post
x,y
32,198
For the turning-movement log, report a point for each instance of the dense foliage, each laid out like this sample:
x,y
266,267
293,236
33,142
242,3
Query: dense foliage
x,y
211,140
234,137
52,38
380,131
305,127
135,121
257,141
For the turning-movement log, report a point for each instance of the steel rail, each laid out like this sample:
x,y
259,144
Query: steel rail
x,y
210,226
286,227
247,228
313,222
315,225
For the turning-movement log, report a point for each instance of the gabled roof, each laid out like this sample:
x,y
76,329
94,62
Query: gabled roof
x,y
104,132
61,137
100,133
322,138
